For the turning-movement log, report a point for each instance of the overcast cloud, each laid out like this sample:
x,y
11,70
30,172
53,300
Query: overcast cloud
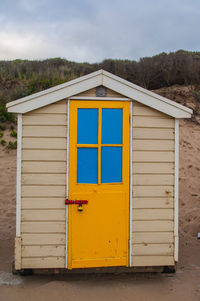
x,y
93,30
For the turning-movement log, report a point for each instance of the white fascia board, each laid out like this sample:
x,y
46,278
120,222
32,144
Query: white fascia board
x,y
145,97
55,94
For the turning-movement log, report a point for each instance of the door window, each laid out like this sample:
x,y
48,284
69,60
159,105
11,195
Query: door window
x,y
112,126
111,164
87,126
87,165
99,145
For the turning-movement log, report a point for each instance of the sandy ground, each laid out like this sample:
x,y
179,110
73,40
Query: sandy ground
x,y
184,285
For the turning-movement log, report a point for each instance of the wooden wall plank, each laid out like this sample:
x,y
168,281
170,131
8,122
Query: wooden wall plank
x,y
44,143
44,155
44,179
59,107
43,251
152,214
43,239
152,260
152,226
153,133
153,179
87,93
153,191
43,262
92,93
43,203
150,156
45,119
153,145
153,168
111,93
153,249
153,237
153,122
43,191
44,131
43,215
141,110
156,203
43,227
43,167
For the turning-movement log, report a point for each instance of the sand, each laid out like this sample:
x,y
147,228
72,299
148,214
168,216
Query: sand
x,y
184,285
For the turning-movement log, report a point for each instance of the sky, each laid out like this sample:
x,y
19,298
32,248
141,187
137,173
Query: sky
x,y
94,30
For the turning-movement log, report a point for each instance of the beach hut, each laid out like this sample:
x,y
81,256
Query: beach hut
x,y
97,176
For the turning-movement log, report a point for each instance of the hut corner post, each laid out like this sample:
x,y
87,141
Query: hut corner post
x,y
176,191
18,200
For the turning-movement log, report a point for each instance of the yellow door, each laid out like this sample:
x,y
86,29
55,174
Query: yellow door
x,y
98,232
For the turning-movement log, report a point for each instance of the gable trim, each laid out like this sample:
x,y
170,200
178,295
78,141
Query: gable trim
x,y
93,80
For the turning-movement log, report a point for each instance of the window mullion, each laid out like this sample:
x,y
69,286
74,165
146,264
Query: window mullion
x,y
99,145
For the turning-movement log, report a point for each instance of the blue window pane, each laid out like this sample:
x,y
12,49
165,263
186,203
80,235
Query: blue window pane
x,y
111,164
87,126
112,126
87,165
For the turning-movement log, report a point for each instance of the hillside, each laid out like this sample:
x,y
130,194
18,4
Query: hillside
x,y
186,95
20,78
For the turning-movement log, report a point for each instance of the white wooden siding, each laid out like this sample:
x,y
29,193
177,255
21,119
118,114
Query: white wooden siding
x,y
43,187
153,187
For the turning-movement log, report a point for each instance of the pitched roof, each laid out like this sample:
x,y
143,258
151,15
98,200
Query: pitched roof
x,y
95,79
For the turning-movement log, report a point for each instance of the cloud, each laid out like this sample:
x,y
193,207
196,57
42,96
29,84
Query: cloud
x,y
88,30
31,6
14,45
